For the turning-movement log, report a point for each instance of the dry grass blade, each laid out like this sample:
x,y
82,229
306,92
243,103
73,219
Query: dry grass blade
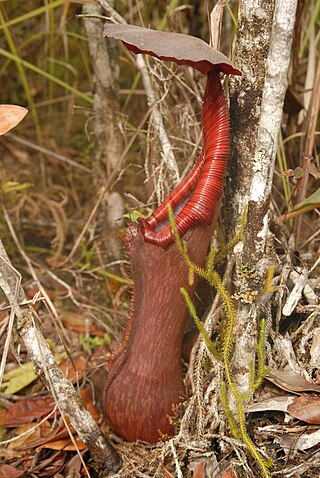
x,y
104,191
308,143
47,152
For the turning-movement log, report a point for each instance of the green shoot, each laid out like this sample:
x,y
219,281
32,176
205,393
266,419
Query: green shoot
x,y
209,344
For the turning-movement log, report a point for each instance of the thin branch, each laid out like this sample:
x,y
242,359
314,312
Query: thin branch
x,y
275,87
156,117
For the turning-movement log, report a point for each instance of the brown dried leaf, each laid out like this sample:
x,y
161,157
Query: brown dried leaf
x,y
229,474
66,445
59,436
73,466
86,397
291,381
79,323
8,471
10,116
74,369
199,470
23,439
52,465
177,47
52,434
306,408
25,411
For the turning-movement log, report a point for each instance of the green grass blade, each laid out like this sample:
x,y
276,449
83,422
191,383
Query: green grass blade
x,y
282,161
47,75
24,80
172,5
31,14
38,36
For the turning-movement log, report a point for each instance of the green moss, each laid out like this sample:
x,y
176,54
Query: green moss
x,y
236,421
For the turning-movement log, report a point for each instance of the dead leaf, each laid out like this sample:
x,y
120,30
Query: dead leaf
x,y
66,445
49,435
59,438
3,315
10,116
177,47
79,323
34,438
229,474
199,470
26,410
291,381
87,400
25,439
50,466
73,466
75,369
279,404
306,408
8,471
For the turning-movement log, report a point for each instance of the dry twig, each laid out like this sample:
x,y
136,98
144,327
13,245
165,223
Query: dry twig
x,y
156,117
68,401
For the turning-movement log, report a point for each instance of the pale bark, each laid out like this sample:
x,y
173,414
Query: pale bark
x,y
68,401
108,138
251,50
263,50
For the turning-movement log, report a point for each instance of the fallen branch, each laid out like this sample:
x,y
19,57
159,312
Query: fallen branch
x,y
69,403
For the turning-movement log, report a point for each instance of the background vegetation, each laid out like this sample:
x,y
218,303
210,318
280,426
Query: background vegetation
x,y
49,188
